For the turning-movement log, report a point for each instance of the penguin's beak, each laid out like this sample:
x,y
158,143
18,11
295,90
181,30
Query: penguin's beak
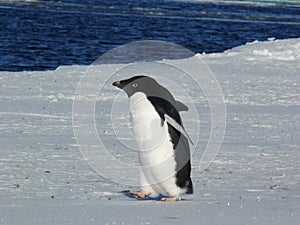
x,y
116,84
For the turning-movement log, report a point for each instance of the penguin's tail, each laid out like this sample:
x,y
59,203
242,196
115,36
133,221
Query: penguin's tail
x,y
189,189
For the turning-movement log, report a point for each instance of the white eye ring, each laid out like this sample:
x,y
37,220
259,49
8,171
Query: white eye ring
x,y
135,85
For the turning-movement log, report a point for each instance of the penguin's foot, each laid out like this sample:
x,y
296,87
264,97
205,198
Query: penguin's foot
x,y
138,194
170,199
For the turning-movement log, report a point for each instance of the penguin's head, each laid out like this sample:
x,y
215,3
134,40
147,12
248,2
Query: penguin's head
x,y
151,88
139,83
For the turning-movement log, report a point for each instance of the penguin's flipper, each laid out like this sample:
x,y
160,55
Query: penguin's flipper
x,y
178,127
180,106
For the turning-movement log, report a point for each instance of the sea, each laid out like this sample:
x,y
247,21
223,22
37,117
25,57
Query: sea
x,y
43,35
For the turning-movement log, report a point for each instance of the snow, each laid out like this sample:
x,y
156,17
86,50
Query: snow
x,y
255,178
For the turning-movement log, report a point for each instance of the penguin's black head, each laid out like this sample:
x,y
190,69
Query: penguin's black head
x,y
135,84
151,88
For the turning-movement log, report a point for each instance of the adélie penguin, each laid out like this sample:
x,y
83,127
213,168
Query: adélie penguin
x,y
163,144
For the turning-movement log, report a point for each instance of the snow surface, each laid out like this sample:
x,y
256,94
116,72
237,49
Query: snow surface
x,y
255,178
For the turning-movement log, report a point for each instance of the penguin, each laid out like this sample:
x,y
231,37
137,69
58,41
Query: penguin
x,y
163,144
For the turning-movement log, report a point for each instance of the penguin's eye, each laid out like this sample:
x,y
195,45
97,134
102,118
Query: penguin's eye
x,y
135,85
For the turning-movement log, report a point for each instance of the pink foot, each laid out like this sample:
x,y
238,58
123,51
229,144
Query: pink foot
x,y
138,194
171,199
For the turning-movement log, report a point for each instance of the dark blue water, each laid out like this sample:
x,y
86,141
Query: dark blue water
x,y
46,34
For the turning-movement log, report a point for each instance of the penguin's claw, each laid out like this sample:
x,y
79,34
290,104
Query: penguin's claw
x,y
170,199
137,194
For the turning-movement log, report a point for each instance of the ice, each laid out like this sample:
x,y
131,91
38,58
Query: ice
x,y
255,178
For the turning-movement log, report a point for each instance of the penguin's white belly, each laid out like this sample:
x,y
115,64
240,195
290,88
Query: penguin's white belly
x,y
157,158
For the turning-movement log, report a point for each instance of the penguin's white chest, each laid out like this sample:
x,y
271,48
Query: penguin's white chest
x,y
155,148
145,119
151,134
